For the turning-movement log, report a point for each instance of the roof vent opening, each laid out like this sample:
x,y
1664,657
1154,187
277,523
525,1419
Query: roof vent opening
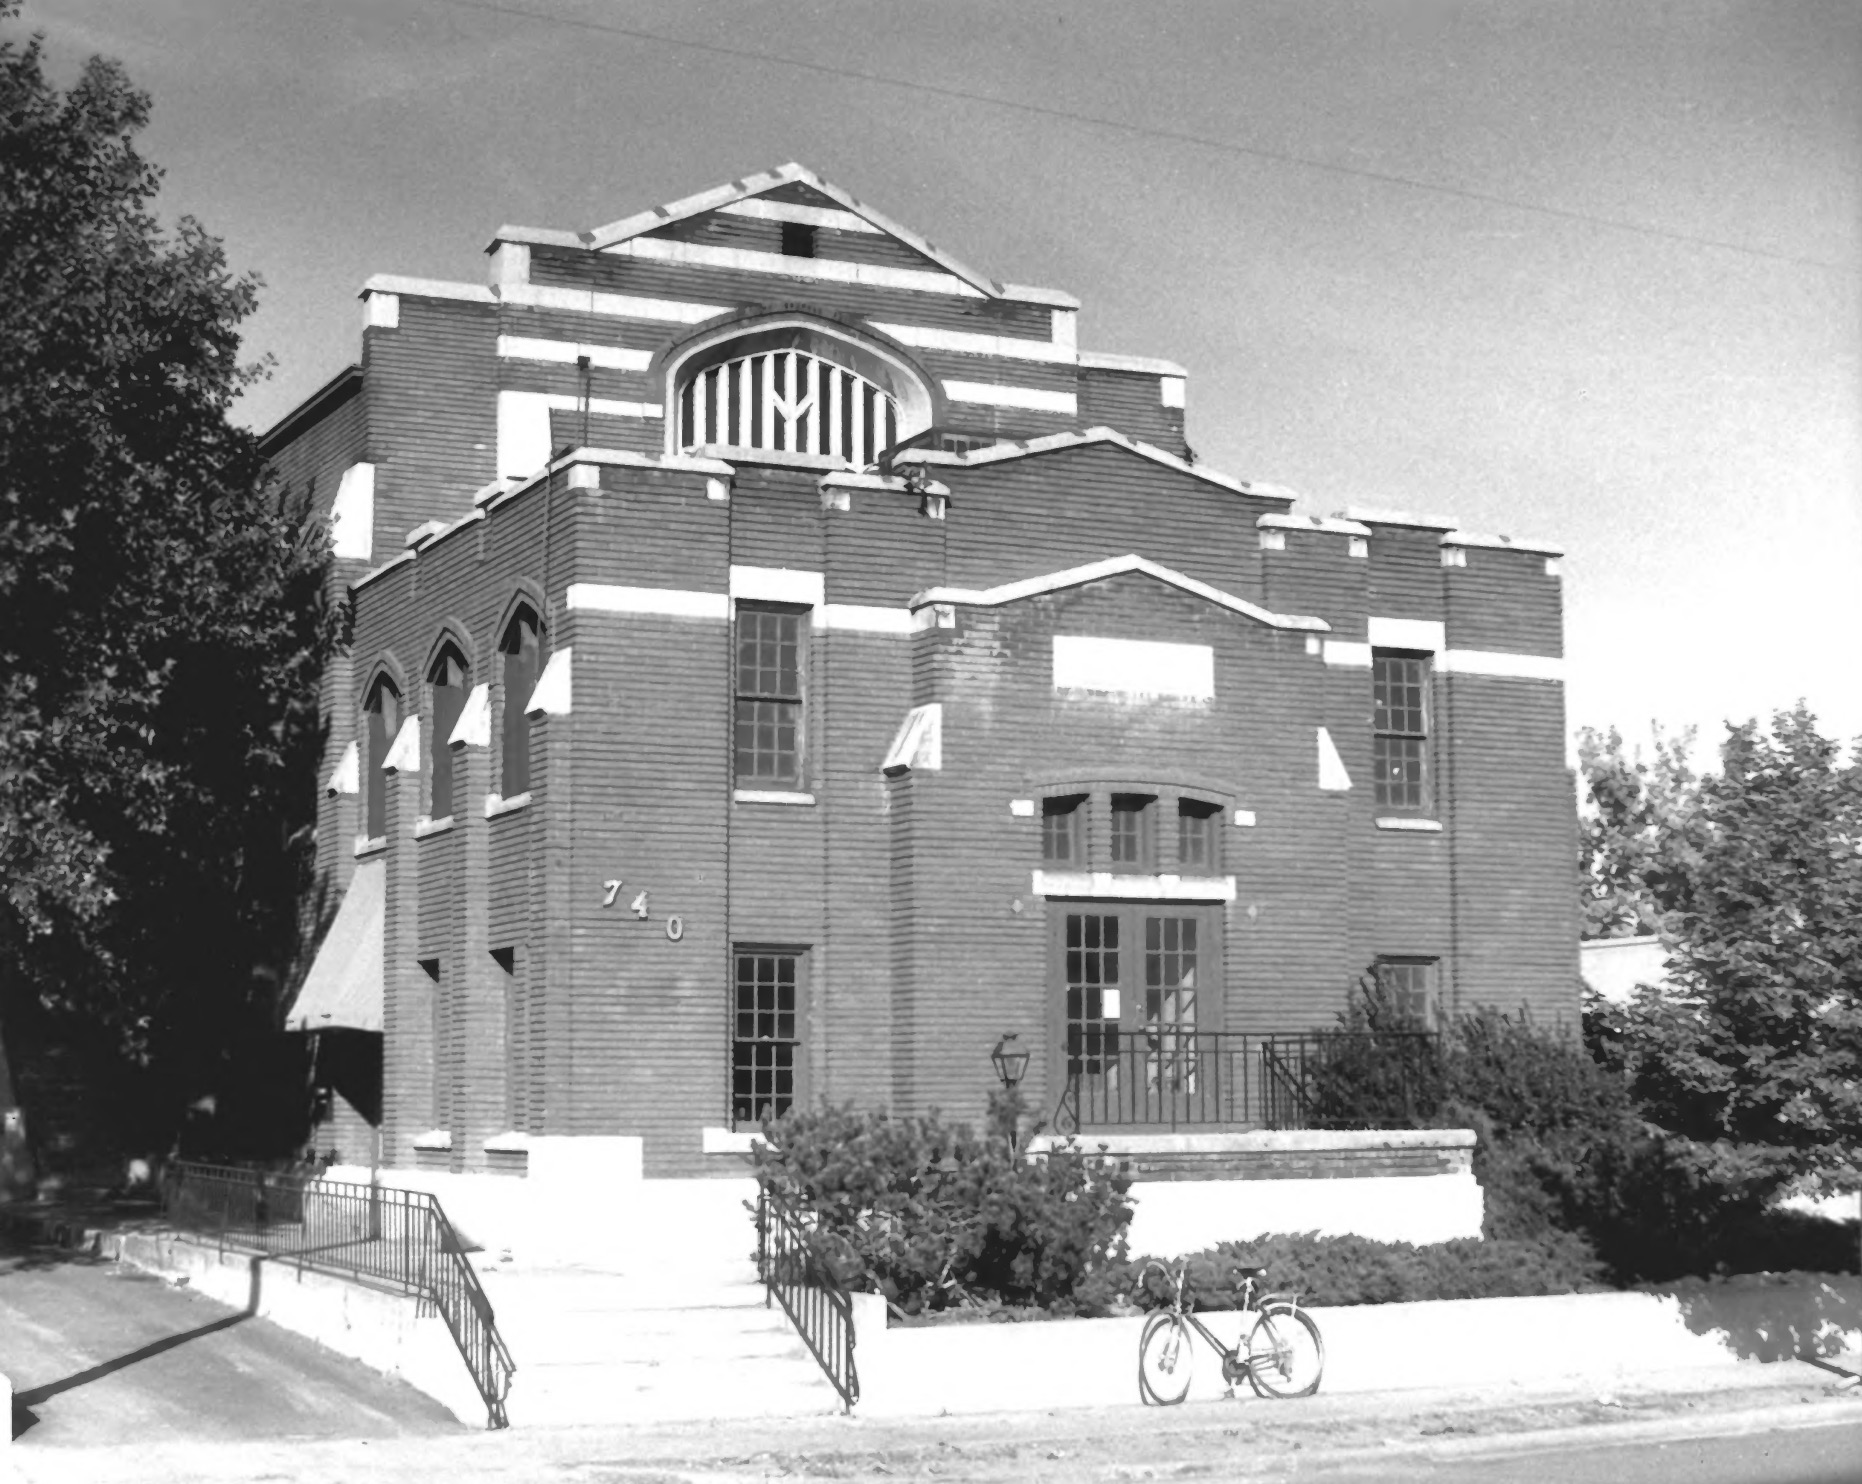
x,y
798,240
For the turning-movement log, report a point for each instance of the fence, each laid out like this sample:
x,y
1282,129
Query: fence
x,y
797,1276
393,1238
1170,1077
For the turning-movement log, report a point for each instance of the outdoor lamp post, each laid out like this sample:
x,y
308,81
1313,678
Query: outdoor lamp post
x,y
1011,1062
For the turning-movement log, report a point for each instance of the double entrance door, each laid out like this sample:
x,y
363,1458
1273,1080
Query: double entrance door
x,y
1136,1014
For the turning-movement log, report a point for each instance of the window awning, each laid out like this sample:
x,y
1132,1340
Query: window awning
x,y
343,990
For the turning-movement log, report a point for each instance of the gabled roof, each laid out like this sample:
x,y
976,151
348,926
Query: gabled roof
x,y
752,186
769,180
997,453
1029,587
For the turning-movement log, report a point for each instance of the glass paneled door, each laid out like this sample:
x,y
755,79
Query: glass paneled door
x,y
1137,988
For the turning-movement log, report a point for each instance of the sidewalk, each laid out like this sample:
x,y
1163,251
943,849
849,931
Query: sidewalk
x,y
1246,1438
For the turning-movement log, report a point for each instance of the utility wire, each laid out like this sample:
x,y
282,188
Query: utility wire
x,y
1200,141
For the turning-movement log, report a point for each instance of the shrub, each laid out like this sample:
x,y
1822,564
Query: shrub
x,y
931,1215
1330,1271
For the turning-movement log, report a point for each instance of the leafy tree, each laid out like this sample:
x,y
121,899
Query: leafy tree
x,y
161,627
1757,1042
1635,839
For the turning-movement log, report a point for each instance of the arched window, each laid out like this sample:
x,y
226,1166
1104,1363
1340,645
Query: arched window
x,y
798,389
448,679
382,711
521,663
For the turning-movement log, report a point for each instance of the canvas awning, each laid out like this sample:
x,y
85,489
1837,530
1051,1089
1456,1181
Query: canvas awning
x,y
343,990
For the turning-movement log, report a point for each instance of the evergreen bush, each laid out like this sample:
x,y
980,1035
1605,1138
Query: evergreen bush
x,y
1330,1271
933,1216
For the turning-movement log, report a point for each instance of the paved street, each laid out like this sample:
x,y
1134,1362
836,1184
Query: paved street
x,y
120,1376
104,1355
1772,1423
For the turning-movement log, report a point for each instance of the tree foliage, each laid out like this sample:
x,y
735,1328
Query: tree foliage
x,y
1752,1052
161,617
1636,840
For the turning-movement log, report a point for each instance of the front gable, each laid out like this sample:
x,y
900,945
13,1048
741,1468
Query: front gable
x,y
751,215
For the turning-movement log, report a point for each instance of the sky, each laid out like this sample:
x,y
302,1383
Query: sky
x,y
1580,272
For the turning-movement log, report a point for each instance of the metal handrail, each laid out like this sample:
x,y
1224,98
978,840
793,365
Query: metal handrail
x,y
796,1274
377,1234
1175,1076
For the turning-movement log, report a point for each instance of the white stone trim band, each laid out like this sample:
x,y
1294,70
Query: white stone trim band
x,y
1496,663
1026,398
962,342
1407,633
567,352
619,306
824,270
1137,888
778,585
665,602
805,216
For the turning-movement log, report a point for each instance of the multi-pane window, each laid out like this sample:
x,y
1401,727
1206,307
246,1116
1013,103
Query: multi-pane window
x,y
521,654
1092,990
1063,829
789,400
768,722
1400,730
1131,831
766,1036
1409,983
382,712
448,679
1170,986
1196,835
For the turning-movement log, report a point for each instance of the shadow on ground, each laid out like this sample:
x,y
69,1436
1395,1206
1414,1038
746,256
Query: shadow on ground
x,y
1774,1316
15,1257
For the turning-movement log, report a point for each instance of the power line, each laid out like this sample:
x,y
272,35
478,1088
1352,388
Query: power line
x,y
1200,141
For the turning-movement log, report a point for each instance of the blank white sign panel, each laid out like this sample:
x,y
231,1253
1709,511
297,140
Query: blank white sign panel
x,y
1134,667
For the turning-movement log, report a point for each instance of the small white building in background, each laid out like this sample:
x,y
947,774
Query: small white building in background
x,y
1614,967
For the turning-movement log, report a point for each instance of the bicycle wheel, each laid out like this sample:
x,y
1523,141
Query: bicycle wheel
x,y
1286,1357
1164,1358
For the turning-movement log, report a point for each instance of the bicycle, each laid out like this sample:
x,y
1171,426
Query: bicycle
x,y
1285,1356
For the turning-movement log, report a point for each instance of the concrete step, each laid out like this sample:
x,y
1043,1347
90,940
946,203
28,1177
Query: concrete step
x,y
555,1343
568,1395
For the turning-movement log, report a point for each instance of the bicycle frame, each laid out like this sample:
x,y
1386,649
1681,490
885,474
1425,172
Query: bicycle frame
x,y
1236,1365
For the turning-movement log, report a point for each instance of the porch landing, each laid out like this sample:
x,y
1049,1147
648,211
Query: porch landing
x,y
1192,1190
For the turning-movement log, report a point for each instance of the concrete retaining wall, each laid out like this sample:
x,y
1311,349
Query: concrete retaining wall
x,y
382,1330
1594,1338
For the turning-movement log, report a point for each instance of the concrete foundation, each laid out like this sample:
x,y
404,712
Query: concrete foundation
x,y
1602,1339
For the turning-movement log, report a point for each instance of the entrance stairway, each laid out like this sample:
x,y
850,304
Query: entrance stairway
x,y
662,1318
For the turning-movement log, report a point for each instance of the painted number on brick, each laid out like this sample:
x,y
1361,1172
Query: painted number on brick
x,y
638,906
675,928
609,891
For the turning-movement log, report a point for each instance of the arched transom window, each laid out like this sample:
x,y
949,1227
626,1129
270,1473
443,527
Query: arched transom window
x,y
796,389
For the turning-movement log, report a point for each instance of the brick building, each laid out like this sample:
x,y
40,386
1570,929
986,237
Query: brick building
x,y
784,662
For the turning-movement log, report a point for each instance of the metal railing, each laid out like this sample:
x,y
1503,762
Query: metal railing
x,y
797,1275
1172,1077
376,1234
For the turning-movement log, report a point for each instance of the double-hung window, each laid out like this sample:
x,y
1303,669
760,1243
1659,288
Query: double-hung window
x,y
1409,983
1400,730
1196,836
766,1034
769,696
1063,829
1134,844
